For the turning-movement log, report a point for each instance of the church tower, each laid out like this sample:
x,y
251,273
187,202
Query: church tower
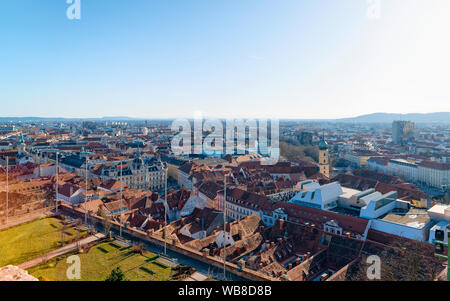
x,y
21,144
324,158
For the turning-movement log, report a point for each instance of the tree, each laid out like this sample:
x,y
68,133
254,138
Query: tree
x,y
292,150
107,220
403,260
49,198
116,275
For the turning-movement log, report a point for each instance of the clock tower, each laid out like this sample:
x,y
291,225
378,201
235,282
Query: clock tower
x,y
324,158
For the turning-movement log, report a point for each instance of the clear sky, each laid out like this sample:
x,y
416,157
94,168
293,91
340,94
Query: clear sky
x,y
223,58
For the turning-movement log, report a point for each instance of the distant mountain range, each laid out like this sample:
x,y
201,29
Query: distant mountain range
x,y
440,117
112,118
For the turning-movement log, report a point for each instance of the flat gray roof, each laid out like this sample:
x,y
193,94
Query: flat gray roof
x,y
414,218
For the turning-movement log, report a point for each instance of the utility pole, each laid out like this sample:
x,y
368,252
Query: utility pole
x,y
7,191
224,227
57,182
165,212
121,169
85,196
147,180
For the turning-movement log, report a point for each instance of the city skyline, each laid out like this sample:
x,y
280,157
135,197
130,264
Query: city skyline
x,y
240,144
382,117
258,59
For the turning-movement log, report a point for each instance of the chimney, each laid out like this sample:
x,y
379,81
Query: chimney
x,y
297,261
290,266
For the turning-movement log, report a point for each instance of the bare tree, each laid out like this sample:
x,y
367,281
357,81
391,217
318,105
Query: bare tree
x,y
402,261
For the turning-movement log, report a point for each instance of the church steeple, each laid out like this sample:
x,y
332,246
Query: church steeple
x,y
21,144
324,158
21,140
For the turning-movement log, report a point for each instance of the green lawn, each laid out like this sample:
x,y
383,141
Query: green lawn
x,y
98,263
27,241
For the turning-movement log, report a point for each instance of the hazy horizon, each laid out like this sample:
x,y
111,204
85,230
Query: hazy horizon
x,y
321,59
211,117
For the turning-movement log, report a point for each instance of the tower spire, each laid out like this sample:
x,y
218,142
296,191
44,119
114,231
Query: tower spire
x,y
324,158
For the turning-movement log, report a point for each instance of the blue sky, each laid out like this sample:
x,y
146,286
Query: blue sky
x,y
223,58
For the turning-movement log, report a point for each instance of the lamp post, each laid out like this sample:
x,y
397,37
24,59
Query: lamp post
x,y
85,183
121,173
224,227
7,191
57,183
86,188
165,211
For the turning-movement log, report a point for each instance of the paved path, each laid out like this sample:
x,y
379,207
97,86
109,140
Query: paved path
x,y
61,251
196,277
30,217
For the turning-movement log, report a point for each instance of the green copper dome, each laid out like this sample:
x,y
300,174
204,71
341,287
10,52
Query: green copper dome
x,y
21,140
323,145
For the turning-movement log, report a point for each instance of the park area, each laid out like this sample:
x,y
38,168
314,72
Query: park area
x,y
97,263
24,242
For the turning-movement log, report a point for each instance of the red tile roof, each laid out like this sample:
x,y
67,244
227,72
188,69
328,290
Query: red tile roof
x,y
435,165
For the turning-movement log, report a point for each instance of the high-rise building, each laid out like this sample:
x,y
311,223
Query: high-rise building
x,y
402,131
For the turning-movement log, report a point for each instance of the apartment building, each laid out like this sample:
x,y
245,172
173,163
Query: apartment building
x,y
434,174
